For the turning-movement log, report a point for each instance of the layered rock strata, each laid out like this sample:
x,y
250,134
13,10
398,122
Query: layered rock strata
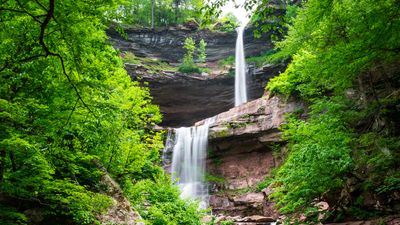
x,y
185,99
242,140
166,44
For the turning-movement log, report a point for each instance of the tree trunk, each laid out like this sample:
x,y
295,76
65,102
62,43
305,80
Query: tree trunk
x,y
2,163
177,3
153,2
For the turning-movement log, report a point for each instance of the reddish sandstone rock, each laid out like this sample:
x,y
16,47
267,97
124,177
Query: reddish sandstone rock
x,y
241,141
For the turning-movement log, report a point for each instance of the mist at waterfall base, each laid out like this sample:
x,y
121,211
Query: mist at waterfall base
x,y
188,161
240,69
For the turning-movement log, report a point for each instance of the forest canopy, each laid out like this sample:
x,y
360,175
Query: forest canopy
x,y
344,65
67,105
160,13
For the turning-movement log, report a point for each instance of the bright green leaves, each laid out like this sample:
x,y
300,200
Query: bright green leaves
x,y
319,156
188,65
190,47
65,102
332,42
166,207
82,204
201,55
166,12
335,45
26,168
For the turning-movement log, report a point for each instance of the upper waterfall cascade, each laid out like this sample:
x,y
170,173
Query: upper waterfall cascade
x,y
240,69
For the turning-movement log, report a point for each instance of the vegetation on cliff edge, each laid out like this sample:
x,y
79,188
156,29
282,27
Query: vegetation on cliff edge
x,y
344,58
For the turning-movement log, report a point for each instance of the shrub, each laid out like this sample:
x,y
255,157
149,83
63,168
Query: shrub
x,y
159,203
190,47
189,68
188,65
201,56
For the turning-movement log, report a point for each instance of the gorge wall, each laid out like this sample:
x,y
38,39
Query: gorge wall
x,y
167,43
185,99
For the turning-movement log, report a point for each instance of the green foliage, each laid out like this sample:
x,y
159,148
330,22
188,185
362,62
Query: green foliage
x,y
152,65
166,12
188,65
230,60
319,155
214,179
264,184
331,45
166,207
10,216
227,222
66,102
129,57
190,47
264,58
201,52
229,23
185,68
266,16
82,204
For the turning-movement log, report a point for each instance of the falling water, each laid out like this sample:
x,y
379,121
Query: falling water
x,y
240,69
188,161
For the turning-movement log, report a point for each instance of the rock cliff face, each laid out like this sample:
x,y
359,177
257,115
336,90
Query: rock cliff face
x,y
241,156
243,138
167,44
185,99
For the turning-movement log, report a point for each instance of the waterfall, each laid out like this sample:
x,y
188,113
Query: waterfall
x,y
240,69
188,161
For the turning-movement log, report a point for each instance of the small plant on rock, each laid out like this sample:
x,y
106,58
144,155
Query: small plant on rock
x,y
188,65
201,57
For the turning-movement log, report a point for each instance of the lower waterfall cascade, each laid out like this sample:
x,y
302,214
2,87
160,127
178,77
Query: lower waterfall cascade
x,y
188,161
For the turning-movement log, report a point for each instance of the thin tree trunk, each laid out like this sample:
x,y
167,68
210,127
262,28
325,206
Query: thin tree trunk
x,y
153,2
177,3
2,163
12,159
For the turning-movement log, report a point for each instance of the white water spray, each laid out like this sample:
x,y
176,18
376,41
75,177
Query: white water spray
x,y
188,161
240,69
